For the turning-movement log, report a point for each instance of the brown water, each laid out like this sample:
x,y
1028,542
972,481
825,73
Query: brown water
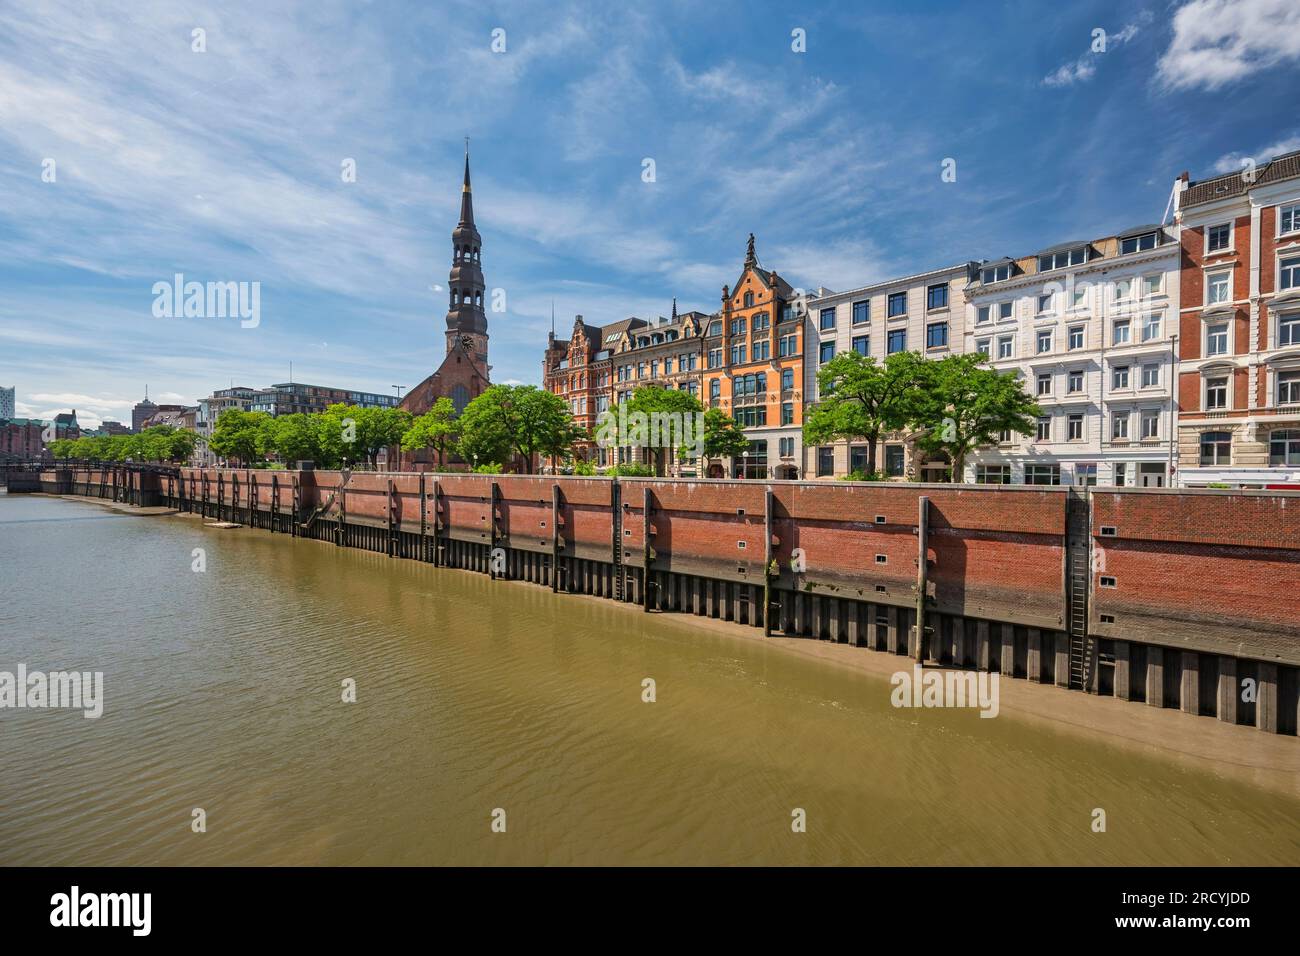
x,y
222,691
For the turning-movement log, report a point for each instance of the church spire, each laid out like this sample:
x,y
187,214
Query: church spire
x,y
466,194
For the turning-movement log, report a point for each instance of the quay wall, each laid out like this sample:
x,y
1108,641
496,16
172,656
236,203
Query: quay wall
x,y
1172,598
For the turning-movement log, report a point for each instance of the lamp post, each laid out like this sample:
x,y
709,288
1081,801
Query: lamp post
x,y
744,463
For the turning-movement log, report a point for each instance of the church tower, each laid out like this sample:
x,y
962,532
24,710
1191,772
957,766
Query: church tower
x,y
466,319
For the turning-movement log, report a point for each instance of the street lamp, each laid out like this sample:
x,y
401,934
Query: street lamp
x,y
744,463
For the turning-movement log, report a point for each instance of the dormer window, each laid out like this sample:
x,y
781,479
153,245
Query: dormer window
x,y
996,273
1148,240
1059,260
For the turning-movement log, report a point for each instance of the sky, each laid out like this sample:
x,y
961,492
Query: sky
x,y
133,148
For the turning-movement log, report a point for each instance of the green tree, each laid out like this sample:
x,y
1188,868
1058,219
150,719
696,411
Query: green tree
x,y
297,438
437,428
864,399
242,435
353,433
657,419
963,405
509,420
62,447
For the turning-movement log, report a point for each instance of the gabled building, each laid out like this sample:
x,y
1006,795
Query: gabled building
x,y
579,371
754,371
1239,347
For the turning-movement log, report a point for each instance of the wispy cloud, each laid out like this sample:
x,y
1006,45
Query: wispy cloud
x,y
1084,68
1232,162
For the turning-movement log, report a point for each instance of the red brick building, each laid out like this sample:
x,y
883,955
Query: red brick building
x,y
1239,342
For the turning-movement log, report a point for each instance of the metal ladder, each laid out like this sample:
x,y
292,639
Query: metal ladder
x,y
620,586
1078,533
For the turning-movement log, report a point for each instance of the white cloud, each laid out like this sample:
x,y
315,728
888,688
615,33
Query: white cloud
x,y
1232,162
1217,42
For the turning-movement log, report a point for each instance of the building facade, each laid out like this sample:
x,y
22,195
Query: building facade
x,y
754,371
142,411
1090,328
8,401
298,398
1239,348
925,313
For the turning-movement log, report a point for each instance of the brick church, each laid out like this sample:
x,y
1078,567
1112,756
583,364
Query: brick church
x,y
463,374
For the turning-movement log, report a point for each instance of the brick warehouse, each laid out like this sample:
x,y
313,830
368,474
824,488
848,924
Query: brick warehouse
x,y
1100,590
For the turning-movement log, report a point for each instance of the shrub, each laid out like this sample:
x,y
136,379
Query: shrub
x,y
859,475
632,470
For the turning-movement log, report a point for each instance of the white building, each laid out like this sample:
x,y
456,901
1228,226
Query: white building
x,y
925,313
1091,329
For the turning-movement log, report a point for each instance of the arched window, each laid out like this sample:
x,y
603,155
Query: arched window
x,y
459,397
1216,448
749,299
1284,447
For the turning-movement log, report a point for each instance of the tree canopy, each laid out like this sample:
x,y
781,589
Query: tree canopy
x,y
510,420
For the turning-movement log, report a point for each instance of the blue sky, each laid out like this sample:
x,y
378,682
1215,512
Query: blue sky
x,y
225,165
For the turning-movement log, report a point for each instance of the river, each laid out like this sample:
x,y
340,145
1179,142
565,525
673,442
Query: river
x,y
223,692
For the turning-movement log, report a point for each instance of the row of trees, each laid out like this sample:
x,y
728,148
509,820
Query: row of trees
x,y
159,443
952,405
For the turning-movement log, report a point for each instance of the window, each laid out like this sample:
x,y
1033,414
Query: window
x,y
827,320
1288,329
1284,446
1216,392
982,314
825,462
826,352
996,274
789,345
993,474
1079,296
862,312
1044,429
1150,423
1151,285
787,379
1123,289
1059,260
1288,218
668,366
715,328
737,354
1085,475
738,326
1076,381
1137,243
1150,328
749,299
897,304
897,341
1005,346
1216,339
715,358
894,461
760,322
1042,474
1076,338
858,458
762,350
1150,375
1044,383
1004,437
861,345
1288,388
1216,448
1218,238
1044,341
1218,287
787,413
786,447
982,347
1119,426
936,335
936,297
1119,332
1004,310
1074,427
1045,303
1289,273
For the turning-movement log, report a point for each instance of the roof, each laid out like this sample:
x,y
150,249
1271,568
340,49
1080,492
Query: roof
x,y
1140,230
1062,247
1286,166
